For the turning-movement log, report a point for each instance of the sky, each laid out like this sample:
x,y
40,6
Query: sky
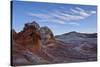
x,y
60,18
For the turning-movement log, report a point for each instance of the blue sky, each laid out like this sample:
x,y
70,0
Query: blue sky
x,y
60,18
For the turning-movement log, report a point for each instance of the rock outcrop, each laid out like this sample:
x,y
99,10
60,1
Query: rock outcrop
x,y
30,36
14,34
47,36
26,46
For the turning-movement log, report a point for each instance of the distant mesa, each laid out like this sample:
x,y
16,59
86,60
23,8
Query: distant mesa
x,y
78,34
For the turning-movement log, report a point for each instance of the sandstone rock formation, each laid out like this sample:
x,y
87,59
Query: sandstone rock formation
x,y
47,36
38,45
30,36
14,34
27,46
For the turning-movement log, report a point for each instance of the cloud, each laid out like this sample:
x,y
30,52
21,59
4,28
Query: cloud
x,y
74,23
53,20
93,12
82,12
40,15
64,16
80,9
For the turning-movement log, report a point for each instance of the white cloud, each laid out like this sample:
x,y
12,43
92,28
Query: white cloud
x,y
74,23
73,11
59,21
40,15
93,12
53,20
82,12
63,17
80,9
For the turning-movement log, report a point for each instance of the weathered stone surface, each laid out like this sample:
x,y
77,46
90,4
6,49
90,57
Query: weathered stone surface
x,y
47,36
